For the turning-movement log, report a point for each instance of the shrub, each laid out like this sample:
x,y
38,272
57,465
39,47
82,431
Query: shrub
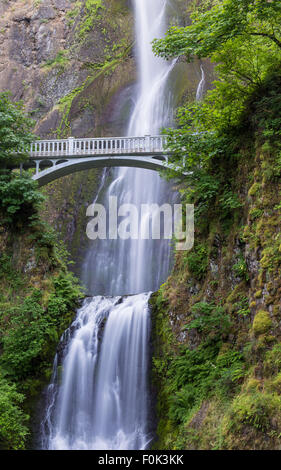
x,y
19,199
241,270
209,318
13,430
15,136
197,261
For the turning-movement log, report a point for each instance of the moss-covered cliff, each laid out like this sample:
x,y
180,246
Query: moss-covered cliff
x,y
216,335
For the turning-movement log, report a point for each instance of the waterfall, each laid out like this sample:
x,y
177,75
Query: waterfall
x,y
116,267
99,398
100,402
201,85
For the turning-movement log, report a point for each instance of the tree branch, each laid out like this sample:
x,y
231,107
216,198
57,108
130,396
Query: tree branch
x,y
269,36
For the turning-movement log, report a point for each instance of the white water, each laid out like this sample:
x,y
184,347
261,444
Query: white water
x,y
201,85
101,399
132,266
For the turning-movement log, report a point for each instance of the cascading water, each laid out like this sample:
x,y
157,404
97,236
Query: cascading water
x,y
133,266
100,402
201,85
101,399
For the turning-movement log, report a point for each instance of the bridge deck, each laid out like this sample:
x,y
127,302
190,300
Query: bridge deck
x,y
75,148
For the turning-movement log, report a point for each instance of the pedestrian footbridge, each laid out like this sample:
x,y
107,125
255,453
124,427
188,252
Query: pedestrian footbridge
x,y
56,158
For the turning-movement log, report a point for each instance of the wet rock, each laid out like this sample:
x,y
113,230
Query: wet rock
x,y
23,15
84,124
21,44
44,13
61,4
49,125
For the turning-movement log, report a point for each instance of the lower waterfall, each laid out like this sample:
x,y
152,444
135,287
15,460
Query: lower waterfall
x,y
100,401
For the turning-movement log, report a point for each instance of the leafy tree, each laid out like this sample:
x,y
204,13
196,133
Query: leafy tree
x,y
15,135
242,38
19,199
216,22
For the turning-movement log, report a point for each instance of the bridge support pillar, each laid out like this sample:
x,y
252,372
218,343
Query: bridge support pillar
x,y
37,163
147,143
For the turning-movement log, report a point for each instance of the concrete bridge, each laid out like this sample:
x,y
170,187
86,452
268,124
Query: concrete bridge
x,y
56,158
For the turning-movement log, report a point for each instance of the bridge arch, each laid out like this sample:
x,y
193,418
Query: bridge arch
x,y
74,165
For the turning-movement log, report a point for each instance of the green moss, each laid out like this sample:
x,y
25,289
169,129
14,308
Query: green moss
x,y
262,323
93,9
255,213
258,294
272,362
61,60
253,385
254,189
256,410
275,384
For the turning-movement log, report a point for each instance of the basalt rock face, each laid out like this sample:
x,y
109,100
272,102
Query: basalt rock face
x,y
71,63
52,50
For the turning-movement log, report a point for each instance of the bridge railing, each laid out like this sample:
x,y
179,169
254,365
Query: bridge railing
x,y
98,146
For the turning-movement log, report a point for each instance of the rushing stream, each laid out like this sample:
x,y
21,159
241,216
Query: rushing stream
x,y
99,398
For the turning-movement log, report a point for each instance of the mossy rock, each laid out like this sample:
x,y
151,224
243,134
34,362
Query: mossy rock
x,y
262,323
258,294
254,189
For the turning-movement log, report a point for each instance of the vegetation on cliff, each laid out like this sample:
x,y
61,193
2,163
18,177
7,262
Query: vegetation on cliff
x,y
217,319
38,295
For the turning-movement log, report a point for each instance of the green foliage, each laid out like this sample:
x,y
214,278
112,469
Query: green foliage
x,y
242,306
92,10
209,319
13,429
204,193
15,136
19,199
242,37
241,270
197,261
218,23
31,322
273,360
256,410
22,344
33,330
214,148
198,374
61,60
228,202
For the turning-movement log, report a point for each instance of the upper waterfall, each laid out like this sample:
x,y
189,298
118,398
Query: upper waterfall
x,y
116,267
